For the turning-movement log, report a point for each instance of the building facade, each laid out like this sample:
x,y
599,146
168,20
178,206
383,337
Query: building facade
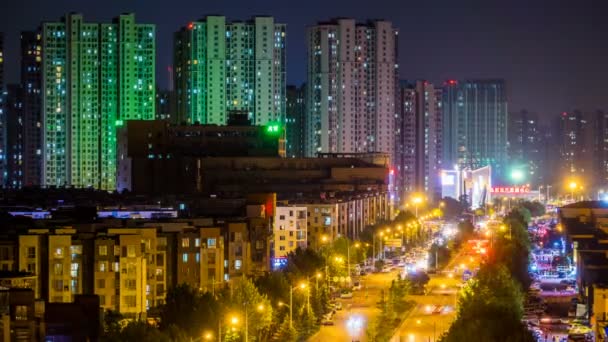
x,y
15,136
295,121
475,124
418,146
221,67
600,148
289,232
573,139
3,141
525,146
351,87
94,77
31,84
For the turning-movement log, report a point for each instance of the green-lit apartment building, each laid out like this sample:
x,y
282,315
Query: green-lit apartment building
x,y
95,76
221,66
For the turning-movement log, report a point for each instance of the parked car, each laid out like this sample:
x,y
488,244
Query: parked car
x,y
346,294
357,286
338,306
327,320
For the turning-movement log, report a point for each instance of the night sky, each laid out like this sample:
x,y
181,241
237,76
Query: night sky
x,y
553,54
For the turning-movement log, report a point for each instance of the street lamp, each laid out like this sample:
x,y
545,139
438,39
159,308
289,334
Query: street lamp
x,y
301,286
417,200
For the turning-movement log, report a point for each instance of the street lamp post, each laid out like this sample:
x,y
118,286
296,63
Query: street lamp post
x,y
302,286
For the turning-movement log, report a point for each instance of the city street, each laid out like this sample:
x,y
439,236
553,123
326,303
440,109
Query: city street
x,y
435,311
362,306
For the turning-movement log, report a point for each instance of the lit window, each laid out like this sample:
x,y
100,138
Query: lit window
x,y
185,257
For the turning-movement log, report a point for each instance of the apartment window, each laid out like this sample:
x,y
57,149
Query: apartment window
x,y
21,313
130,284
31,252
101,283
58,285
197,242
58,269
103,250
59,252
103,266
131,251
282,238
130,301
102,300
185,242
185,257
237,264
198,257
211,243
31,267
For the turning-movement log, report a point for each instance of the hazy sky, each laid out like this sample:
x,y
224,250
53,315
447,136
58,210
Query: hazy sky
x,y
553,54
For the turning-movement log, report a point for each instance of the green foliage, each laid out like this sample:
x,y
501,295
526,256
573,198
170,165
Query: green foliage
x,y
490,309
189,310
137,331
303,263
275,285
535,208
112,324
452,208
245,297
286,332
393,310
306,322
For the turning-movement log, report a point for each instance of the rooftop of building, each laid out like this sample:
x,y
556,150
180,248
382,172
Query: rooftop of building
x,y
587,205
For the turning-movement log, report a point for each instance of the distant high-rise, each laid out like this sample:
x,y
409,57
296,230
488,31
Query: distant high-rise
x,y
222,67
475,124
1,61
15,135
418,145
94,76
295,121
31,85
600,148
351,87
573,139
3,174
165,105
524,145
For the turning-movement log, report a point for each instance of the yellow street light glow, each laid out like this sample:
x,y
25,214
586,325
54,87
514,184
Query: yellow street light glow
x,y
208,336
357,245
503,227
261,307
319,275
573,185
418,321
234,320
324,238
302,285
417,199
281,303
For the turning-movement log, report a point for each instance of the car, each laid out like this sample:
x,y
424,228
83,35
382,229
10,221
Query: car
x,y
438,310
386,269
357,286
362,273
570,282
346,294
327,321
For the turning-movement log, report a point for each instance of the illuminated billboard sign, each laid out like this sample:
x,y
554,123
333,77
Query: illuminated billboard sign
x,y
524,189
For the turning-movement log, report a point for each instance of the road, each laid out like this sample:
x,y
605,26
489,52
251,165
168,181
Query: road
x,y
363,305
423,326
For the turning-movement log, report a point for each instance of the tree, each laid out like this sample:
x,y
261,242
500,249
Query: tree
x,y
137,331
306,323
112,324
246,300
303,263
490,309
189,310
287,332
452,208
